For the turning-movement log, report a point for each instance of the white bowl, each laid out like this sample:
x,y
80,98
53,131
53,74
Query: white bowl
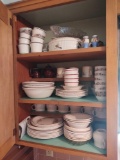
x,y
40,31
101,98
36,47
24,41
71,72
24,35
24,48
78,125
36,39
39,92
71,80
71,83
26,30
71,76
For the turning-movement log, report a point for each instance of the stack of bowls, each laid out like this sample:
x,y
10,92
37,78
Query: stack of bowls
x,y
24,40
100,83
37,39
77,127
38,89
71,77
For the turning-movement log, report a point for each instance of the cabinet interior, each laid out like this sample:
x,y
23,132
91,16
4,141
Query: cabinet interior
x,y
91,20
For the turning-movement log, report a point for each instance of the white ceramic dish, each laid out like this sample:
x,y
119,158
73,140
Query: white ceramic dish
x,y
24,35
75,80
77,116
75,84
36,39
36,47
70,72
70,76
26,30
73,87
39,92
63,43
37,30
37,83
24,48
24,41
77,129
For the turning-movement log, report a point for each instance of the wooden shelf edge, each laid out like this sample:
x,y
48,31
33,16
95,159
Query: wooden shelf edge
x,y
62,150
65,55
60,79
62,102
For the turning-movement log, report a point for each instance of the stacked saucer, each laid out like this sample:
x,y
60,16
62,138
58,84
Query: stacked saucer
x,y
71,77
77,127
44,128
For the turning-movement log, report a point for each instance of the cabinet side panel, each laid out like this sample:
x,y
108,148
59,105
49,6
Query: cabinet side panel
x,y
112,79
7,121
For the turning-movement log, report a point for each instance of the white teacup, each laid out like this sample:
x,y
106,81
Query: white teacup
x,y
87,71
100,112
99,137
89,110
51,107
75,109
60,72
38,107
63,108
24,48
36,47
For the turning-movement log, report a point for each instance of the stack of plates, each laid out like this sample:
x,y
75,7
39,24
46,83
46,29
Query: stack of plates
x,y
44,128
38,89
71,92
77,127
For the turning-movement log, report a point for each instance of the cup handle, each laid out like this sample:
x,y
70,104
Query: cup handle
x,y
33,107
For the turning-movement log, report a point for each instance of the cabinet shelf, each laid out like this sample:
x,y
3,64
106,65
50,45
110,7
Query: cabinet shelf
x,y
61,142
61,79
97,53
85,101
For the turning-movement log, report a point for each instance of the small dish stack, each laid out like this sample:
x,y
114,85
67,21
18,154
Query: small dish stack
x,y
71,89
77,127
100,83
37,39
38,89
24,40
44,128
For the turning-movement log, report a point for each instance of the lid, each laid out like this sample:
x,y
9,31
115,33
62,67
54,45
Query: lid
x,y
94,36
85,37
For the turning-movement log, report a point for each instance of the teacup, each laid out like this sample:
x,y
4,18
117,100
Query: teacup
x,y
100,112
75,109
38,107
87,71
63,108
60,72
89,110
51,107
99,137
100,68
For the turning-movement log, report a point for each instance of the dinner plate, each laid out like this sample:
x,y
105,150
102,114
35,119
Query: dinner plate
x,y
73,87
78,116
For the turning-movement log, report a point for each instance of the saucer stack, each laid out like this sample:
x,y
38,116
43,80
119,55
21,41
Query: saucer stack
x,y
71,77
44,128
100,83
24,40
37,39
77,127
71,89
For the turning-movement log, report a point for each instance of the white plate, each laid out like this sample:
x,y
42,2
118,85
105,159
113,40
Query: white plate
x,y
34,82
77,129
66,96
72,87
77,116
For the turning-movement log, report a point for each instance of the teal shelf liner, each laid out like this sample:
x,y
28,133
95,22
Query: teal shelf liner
x,y
65,143
83,99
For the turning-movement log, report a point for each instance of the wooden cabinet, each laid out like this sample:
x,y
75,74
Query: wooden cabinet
x,y
18,67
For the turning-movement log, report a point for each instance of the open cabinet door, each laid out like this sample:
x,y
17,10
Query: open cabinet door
x,y
7,120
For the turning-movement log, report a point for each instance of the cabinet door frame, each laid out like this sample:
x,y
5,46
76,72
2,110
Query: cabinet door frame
x,y
112,9
7,82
